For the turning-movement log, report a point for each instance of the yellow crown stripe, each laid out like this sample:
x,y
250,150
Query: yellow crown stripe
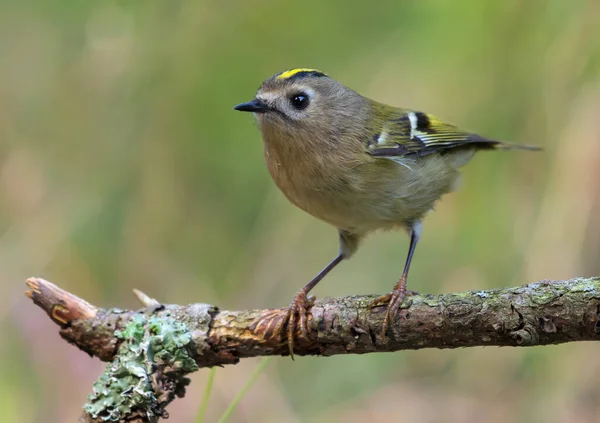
x,y
292,72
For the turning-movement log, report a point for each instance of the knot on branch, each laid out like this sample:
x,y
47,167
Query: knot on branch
x,y
527,336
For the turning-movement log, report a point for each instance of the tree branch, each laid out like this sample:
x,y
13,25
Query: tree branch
x,y
152,349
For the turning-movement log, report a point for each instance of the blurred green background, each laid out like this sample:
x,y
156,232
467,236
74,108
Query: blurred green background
x,y
123,165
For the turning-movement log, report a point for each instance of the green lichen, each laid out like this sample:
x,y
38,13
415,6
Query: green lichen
x,y
467,296
431,300
153,353
584,285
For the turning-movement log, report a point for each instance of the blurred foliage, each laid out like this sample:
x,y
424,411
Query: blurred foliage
x,y
122,165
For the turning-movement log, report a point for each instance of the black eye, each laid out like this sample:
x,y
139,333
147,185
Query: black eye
x,y
299,101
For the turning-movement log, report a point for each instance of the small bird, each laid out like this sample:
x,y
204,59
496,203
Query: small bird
x,y
358,165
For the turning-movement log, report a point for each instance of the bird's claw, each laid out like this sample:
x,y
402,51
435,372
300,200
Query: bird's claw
x,y
396,299
393,300
380,301
265,324
296,317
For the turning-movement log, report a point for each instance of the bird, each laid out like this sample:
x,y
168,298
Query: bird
x,y
358,165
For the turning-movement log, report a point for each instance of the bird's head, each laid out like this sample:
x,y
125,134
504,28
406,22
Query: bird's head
x,y
305,103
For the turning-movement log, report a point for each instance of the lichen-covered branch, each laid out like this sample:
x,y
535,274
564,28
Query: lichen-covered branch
x,y
152,349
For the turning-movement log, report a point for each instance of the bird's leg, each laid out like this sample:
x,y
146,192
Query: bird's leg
x,y
296,316
394,299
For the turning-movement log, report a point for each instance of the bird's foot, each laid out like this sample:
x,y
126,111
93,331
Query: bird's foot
x,y
381,301
393,300
296,317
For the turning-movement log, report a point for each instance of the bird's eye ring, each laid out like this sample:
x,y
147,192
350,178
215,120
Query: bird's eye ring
x,y
299,101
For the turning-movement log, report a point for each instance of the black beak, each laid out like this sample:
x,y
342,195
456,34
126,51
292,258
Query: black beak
x,y
254,106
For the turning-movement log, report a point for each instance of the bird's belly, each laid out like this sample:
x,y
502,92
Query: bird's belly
x,y
329,202
347,212
366,199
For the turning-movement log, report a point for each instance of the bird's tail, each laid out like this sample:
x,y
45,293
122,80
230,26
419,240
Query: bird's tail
x,y
463,154
482,143
498,145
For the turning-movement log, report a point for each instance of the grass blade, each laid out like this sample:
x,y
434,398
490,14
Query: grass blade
x,y
257,371
206,396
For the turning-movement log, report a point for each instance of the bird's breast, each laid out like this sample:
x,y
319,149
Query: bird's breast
x,y
318,184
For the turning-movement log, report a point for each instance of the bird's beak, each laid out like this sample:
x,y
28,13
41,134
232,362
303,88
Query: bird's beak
x,y
254,106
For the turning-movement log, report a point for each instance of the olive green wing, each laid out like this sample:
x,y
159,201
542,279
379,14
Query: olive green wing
x,y
412,133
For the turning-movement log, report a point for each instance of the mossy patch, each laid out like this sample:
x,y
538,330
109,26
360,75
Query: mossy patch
x,y
147,372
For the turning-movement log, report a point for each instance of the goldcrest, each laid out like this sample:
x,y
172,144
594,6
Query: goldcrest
x,y
358,165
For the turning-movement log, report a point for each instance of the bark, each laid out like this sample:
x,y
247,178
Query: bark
x,y
155,347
